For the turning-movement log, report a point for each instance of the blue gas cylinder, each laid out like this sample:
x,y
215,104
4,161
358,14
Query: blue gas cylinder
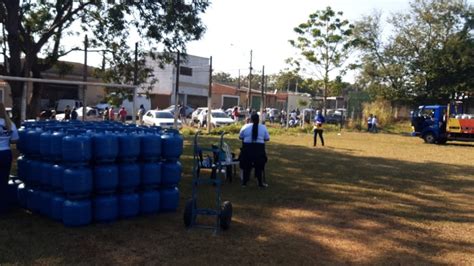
x,y
105,208
169,199
150,201
172,145
45,143
56,177
22,167
45,174
57,202
76,148
34,172
77,212
45,203
56,144
129,205
33,136
77,181
129,146
21,144
150,146
22,195
105,147
151,173
171,173
106,178
129,176
33,200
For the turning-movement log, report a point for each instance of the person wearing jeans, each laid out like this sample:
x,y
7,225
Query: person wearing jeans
x,y
318,128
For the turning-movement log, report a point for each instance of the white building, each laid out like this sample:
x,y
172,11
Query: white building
x,y
193,82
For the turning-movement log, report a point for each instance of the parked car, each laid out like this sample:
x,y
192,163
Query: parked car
x,y
62,103
164,119
334,119
195,115
218,118
92,114
188,112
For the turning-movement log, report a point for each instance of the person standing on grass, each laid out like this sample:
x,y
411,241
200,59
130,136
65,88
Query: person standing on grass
x,y
122,114
318,128
74,114
111,114
369,123
105,115
235,114
253,155
67,113
374,124
264,116
182,113
141,113
8,135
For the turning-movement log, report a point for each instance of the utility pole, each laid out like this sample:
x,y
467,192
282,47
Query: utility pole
x,y
84,78
249,102
262,87
176,91
209,98
135,83
238,81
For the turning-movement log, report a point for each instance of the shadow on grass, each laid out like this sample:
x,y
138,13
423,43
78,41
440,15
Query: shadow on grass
x,y
323,206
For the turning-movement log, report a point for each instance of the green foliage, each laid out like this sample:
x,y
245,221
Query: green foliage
x,y
302,103
380,108
35,29
325,41
427,58
223,77
230,129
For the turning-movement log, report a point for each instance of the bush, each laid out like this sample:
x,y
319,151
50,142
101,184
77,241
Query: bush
x,y
381,108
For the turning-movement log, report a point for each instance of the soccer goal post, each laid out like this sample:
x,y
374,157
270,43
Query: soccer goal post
x,y
69,82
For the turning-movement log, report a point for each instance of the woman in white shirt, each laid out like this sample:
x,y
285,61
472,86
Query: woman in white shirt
x,y
8,135
253,155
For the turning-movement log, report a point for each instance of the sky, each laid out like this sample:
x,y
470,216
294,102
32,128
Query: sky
x,y
234,27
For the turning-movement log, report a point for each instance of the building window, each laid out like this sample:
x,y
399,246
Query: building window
x,y
186,71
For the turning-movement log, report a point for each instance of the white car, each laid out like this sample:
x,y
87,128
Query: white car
x,y
195,115
218,118
92,114
162,119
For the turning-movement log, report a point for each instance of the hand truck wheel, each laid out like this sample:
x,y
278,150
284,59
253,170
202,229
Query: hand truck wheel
x,y
226,215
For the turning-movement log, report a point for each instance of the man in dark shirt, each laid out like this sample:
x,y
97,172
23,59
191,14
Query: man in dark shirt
x,y
67,113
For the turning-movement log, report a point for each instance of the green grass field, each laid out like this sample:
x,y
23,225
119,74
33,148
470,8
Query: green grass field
x,y
382,199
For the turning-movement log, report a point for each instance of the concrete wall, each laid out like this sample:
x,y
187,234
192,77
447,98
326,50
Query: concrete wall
x,y
197,84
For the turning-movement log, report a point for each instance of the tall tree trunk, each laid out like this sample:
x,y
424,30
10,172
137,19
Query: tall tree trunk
x,y
14,46
34,106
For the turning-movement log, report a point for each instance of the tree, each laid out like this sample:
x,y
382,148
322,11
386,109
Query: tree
x,y
34,30
223,77
325,41
427,58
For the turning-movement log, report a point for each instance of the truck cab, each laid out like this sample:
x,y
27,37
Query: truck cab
x,y
440,123
429,122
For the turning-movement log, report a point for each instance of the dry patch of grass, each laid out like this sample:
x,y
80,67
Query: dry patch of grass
x,y
361,199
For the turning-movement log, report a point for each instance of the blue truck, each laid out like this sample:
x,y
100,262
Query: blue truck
x,y
441,123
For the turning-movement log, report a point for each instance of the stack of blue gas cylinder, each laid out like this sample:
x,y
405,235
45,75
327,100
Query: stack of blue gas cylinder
x,y
83,172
